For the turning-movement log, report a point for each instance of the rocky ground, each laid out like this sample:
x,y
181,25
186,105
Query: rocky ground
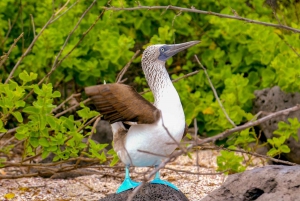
x,y
106,181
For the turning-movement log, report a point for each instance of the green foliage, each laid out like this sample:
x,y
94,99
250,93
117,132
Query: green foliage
x,y
283,133
230,162
240,58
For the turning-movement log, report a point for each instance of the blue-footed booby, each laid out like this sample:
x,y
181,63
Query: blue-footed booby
x,y
150,124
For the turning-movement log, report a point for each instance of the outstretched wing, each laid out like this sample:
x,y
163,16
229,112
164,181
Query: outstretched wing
x,y
120,102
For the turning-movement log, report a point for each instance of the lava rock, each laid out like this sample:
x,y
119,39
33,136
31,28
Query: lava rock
x,y
273,100
274,182
150,192
103,133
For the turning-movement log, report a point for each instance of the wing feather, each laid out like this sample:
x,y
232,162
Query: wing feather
x,y
120,102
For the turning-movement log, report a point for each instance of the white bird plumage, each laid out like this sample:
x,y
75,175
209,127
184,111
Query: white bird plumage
x,y
153,138
154,128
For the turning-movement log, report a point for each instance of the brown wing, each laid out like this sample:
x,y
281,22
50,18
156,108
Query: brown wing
x,y
120,102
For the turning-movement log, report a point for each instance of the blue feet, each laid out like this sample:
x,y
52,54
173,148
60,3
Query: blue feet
x,y
127,183
157,180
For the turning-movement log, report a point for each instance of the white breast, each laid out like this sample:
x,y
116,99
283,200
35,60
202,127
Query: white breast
x,y
154,138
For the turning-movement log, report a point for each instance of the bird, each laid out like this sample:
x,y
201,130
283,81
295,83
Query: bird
x,y
155,129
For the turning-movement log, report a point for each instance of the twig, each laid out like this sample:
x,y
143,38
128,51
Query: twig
x,y
71,108
215,93
261,156
57,12
5,57
65,101
122,72
69,36
33,26
60,61
248,125
64,12
196,173
28,50
193,10
281,37
176,80
88,140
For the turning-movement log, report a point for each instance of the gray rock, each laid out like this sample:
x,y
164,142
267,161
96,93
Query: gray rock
x,y
150,192
103,133
272,100
274,182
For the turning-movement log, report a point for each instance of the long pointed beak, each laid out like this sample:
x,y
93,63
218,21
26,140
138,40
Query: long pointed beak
x,y
175,48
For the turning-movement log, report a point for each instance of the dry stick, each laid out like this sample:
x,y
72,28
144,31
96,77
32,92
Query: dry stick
x,y
18,176
65,101
9,30
224,134
196,173
282,38
122,72
60,61
195,136
28,50
5,57
175,80
57,12
193,10
215,93
88,140
257,155
10,26
71,108
64,12
33,26
72,31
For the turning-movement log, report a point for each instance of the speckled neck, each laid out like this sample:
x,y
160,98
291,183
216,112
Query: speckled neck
x,y
158,79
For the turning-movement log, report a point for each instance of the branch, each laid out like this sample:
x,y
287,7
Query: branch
x,y
33,26
193,10
215,93
122,72
5,56
64,12
28,50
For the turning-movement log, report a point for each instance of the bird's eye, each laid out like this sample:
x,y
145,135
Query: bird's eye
x,y
162,49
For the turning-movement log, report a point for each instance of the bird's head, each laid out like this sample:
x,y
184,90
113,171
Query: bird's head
x,y
164,52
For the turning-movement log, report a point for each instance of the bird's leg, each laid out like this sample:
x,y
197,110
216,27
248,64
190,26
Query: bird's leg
x,y
127,183
157,180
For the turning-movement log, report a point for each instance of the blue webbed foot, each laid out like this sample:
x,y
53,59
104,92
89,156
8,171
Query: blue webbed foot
x,y
127,183
157,180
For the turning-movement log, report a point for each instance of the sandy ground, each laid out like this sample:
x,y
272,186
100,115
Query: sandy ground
x,y
94,187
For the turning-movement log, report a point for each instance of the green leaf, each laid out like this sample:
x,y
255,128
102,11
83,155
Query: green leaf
x,y
20,136
31,110
34,141
43,142
24,76
45,154
284,148
114,160
18,116
273,152
19,103
51,121
56,94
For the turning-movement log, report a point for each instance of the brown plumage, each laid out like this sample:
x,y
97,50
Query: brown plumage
x,y
120,102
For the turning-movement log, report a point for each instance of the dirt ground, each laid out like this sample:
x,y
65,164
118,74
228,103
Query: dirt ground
x,y
96,186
